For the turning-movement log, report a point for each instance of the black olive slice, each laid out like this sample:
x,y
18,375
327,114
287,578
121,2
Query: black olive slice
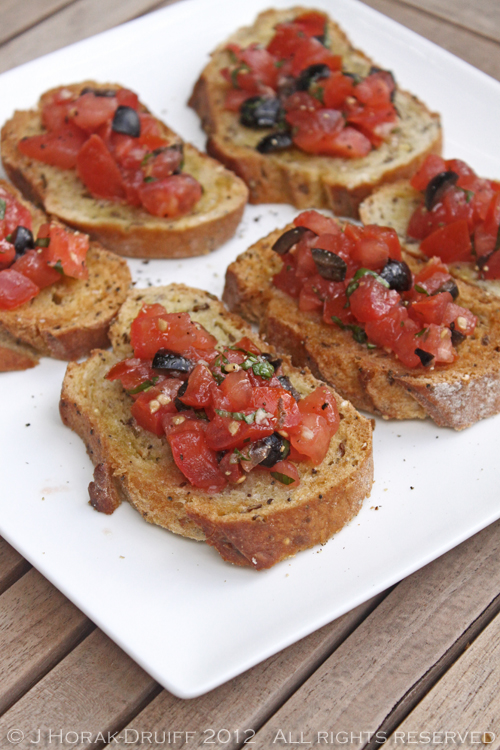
x,y
98,92
284,243
287,385
438,186
449,286
260,112
397,274
126,121
279,448
22,239
456,336
170,361
424,357
274,142
312,74
330,265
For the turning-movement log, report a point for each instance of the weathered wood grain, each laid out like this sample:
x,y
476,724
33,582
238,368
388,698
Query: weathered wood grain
x,y
245,703
77,21
466,700
482,16
38,626
480,52
12,565
395,655
18,17
96,688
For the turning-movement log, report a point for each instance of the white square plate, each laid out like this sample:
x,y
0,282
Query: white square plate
x,y
191,620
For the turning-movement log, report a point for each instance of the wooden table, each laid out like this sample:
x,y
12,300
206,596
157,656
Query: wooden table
x,y
421,658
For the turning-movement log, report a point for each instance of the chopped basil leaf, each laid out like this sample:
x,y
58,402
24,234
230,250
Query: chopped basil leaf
x,y
149,179
58,267
3,206
143,386
317,92
421,333
497,243
358,333
242,68
237,415
240,455
9,238
42,242
351,287
421,289
146,158
264,369
367,272
283,478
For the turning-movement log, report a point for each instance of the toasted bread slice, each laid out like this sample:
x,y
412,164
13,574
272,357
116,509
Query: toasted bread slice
x,y
257,523
69,318
127,230
393,206
293,176
455,395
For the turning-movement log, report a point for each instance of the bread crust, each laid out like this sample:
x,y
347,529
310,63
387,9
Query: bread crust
x,y
68,319
127,230
455,395
254,524
295,177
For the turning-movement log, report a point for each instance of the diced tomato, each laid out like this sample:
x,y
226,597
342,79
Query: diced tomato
x,y
312,439
371,300
317,222
285,41
7,254
450,243
397,332
59,148
464,320
301,100
336,89
236,390
279,403
310,51
337,307
314,132
98,170
152,404
15,289
437,341
171,196
155,329
226,433
286,279
165,163
322,401
430,309
234,99
91,111
56,114
200,387
287,469
248,345
231,470
261,64
316,290
432,166
35,266
350,144
127,98
194,457
69,249
132,373
311,23
15,214
492,268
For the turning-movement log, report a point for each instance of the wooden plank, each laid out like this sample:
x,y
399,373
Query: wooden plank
x,y
482,53
465,700
18,17
391,658
96,689
482,16
243,704
38,626
12,565
77,21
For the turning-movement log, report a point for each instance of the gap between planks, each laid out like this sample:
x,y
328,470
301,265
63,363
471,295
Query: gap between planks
x,y
12,565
